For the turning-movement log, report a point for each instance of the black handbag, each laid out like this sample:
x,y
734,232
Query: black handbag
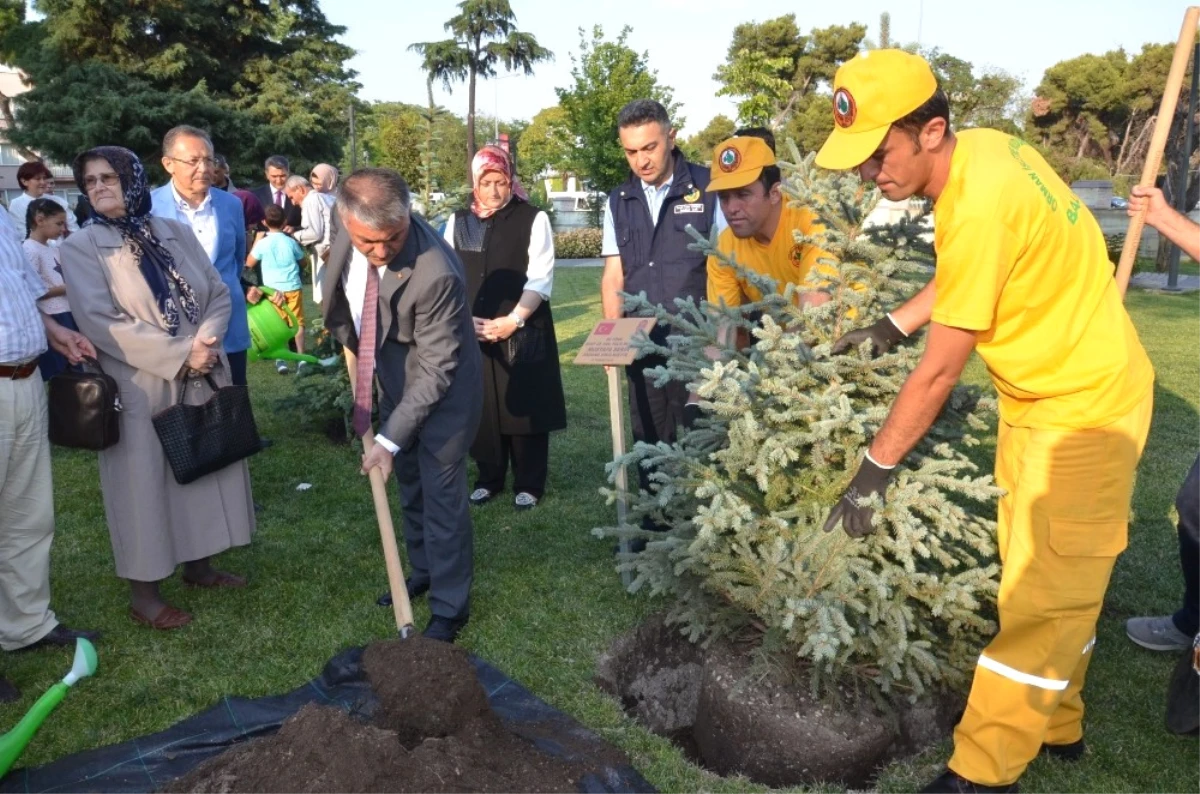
x,y
201,439
84,409
526,346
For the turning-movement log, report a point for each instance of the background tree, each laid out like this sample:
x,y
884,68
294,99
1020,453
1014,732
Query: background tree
x,y
991,98
268,77
784,75
484,36
546,146
606,76
393,133
699,147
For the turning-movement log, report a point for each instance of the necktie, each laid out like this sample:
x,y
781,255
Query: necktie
x,y
364,371
278,198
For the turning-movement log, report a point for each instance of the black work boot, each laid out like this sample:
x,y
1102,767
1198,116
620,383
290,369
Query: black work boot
x,y
953,783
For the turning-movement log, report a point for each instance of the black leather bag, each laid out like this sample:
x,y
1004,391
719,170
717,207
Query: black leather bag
x,y
201,439
84,409
526,346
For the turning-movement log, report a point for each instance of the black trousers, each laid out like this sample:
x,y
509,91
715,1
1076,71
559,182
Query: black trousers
x,y
655,414
530,456
237,367
1187,619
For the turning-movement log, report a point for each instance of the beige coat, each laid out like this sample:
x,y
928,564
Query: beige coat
x,y
154,522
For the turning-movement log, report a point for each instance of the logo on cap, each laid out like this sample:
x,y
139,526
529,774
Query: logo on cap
x,y
730,159
844,109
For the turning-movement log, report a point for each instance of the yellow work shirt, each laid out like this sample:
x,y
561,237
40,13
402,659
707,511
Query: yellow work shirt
x,y
783,259
1022,262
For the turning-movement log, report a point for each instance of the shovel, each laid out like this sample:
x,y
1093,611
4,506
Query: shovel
x,y
401,606
391,554
13,743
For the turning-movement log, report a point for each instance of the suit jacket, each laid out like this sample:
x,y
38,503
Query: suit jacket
x,y
291,212
427,360
230,256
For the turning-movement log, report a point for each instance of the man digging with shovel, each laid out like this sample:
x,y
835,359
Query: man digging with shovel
x,y
397,303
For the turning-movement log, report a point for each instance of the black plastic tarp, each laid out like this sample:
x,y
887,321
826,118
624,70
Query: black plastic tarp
x,y
149,762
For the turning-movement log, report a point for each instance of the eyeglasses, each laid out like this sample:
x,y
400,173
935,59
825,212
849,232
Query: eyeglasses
x,y
108,180
194,164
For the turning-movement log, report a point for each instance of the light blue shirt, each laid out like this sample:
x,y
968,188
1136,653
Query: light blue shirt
x,y
280,257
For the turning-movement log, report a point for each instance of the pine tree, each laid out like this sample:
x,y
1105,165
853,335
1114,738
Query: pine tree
x,y
785,426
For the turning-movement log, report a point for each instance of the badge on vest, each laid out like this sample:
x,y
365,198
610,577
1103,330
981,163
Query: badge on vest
x,y
683,209
693,196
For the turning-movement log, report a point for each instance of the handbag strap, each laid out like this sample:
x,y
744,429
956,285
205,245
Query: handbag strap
x,y
95,362
212,384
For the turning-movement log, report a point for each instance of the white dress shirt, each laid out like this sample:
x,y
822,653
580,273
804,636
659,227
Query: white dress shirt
x,y
539,273
654,198
354,281
202,220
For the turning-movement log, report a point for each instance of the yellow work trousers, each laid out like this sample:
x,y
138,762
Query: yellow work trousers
x,y
1061,525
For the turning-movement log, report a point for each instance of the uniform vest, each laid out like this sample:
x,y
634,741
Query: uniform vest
x,y
655,257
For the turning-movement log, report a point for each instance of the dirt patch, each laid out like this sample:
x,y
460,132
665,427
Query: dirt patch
x,y
733,718
433,731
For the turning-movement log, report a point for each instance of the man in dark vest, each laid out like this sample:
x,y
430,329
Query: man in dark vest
x,y
645,249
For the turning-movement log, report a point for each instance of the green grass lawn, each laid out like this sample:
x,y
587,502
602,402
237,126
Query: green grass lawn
x,y
546,598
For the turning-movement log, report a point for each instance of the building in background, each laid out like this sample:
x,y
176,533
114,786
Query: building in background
x,y
11,158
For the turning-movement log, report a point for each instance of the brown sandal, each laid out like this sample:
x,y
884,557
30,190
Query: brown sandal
x,y
219,579
168,618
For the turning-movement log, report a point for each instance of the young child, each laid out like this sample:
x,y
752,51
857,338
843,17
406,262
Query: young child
x,y
46,220
280,257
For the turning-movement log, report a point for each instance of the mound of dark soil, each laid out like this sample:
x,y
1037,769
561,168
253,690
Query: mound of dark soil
x,y
433,731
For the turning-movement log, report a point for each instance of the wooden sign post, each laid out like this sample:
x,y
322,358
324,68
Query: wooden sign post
x,y
611,344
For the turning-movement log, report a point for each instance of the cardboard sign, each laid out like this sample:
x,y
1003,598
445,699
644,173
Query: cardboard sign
x,y
610,342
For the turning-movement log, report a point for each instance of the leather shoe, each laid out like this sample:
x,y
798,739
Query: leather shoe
x,y
444,629
1065,752
8,692
62,636
953,783
415,590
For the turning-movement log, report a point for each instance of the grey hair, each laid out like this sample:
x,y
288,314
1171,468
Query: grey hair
x,y
294,181
220,161
277,161
377,197
184,131
643,111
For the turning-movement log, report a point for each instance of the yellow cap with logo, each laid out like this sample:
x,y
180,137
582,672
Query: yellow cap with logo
x,y
738,161
870,91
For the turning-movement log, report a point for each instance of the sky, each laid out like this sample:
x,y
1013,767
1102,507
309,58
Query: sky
x,y
685,40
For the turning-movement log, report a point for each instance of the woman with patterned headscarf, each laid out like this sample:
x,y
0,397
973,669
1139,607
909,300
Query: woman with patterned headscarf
x,y
508,250
156,310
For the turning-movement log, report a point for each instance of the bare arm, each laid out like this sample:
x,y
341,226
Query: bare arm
x,y
921,398
1177,228
914,314
612,282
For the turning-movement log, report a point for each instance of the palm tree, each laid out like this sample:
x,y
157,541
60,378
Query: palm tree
x,y
484,36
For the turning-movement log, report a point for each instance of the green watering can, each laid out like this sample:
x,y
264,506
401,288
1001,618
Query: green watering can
x,y
13,743
271,331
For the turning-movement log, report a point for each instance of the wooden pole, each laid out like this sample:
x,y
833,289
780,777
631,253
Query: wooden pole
x,y
616,417
1158,141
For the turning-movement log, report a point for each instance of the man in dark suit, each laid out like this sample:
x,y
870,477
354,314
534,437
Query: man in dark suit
x,y
277,170
418,341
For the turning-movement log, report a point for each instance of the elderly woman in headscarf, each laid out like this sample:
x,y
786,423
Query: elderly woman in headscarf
x,y
508,250
156,310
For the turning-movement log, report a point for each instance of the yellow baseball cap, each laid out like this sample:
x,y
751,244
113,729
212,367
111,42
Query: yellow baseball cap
x,y
738,161
870,91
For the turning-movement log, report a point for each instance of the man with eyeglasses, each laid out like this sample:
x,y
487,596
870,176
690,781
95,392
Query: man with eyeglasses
x,y
217,220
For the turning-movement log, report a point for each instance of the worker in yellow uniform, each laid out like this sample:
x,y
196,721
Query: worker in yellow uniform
x,y
760,219
1023,279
